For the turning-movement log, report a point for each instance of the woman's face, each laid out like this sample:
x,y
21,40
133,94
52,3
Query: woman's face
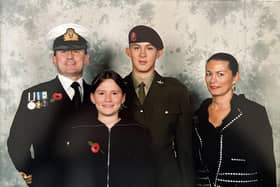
x,y
219,78
108,98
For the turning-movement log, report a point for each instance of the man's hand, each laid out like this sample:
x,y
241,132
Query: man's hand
x,y
26,178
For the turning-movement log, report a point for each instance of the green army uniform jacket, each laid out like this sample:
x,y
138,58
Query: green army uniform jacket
x,y
166,113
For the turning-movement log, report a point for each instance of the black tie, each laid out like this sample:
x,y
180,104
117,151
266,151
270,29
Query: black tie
x,y
141,92
77,96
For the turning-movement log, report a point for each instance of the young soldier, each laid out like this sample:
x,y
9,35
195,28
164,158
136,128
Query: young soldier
x,y
162,105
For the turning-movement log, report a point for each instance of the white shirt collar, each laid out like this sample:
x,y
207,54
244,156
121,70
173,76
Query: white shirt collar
x,y
66,84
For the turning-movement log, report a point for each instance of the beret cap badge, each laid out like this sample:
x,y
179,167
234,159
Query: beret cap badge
x,y
133,36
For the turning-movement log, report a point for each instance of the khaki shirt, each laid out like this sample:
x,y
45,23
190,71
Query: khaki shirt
x,y
148,82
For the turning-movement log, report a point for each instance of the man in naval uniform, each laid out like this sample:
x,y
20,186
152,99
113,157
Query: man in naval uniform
x,y
45,106
162,105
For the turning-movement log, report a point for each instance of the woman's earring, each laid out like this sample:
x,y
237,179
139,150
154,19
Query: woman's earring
x,y
233,87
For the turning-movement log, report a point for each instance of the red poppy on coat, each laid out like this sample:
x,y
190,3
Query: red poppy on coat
x,y
94,147
57,96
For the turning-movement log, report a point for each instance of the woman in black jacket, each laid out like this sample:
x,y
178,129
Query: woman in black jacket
x,y
107,151
232,135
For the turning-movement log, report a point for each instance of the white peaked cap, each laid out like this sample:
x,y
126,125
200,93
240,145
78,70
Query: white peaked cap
x,y
61,29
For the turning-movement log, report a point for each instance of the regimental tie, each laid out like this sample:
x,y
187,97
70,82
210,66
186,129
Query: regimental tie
x,y
141,92
77,96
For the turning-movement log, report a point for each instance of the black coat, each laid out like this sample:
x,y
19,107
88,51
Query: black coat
x,y
241,152
166,113
122,158
36,128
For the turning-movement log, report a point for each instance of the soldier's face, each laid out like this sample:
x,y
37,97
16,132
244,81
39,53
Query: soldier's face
x,y
143,56
219,78
108,98
70,63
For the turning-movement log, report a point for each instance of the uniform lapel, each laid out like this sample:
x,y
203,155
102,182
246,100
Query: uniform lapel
x,y
86,98
131,97
56,87
155,90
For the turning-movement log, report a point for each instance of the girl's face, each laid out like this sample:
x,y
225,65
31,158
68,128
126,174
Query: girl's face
x,y
108,98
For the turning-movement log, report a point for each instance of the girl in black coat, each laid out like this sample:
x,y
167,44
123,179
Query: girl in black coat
x,y
232,135
107,151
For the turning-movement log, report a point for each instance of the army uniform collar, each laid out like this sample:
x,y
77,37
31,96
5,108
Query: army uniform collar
x,y
148,81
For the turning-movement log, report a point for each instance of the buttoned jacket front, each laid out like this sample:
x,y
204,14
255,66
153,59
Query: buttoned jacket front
x,y
166,113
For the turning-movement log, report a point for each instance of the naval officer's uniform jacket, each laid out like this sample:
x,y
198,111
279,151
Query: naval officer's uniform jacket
x,y
239,153
41,110
93,155
166,113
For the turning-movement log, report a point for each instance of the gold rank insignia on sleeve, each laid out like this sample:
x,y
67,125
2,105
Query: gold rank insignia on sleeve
x,y
71,35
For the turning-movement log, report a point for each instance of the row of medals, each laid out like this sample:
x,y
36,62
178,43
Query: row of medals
x,y
37,100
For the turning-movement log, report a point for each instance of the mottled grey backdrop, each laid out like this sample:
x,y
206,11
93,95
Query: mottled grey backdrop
x,y
191,29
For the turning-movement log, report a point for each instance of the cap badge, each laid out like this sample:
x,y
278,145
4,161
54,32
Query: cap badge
x,y
71,35
133,37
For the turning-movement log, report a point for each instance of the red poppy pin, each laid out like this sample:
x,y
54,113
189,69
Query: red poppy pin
x,y
94,147
133,37
57,96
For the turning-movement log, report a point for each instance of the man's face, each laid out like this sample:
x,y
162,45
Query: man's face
x,y
143,56
70,63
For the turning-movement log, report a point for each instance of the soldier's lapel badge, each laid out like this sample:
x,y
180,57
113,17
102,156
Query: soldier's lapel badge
x,y
160,82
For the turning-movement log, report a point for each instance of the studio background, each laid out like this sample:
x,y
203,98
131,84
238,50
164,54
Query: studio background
x,y
192,30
